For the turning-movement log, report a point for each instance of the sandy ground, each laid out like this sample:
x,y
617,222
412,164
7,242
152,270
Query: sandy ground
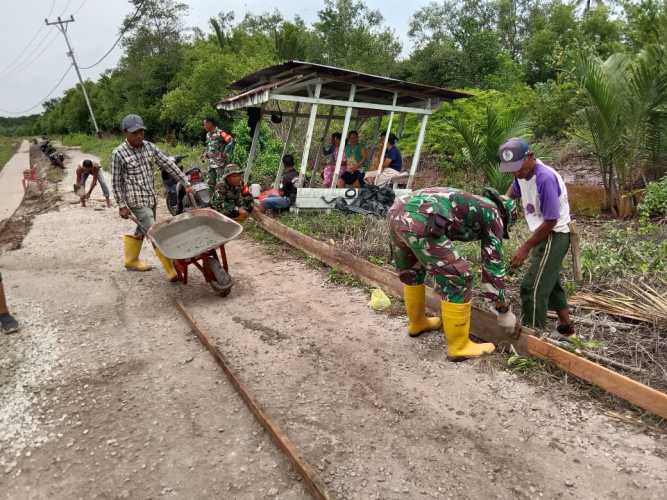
x,y
106,394
11,190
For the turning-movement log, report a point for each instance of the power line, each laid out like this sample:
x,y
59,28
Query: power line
x,y
120,37
23,64
34,37
55,87
78,8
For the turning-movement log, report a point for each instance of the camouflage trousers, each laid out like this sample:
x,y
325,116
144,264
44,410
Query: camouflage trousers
x,y
215,169
415,255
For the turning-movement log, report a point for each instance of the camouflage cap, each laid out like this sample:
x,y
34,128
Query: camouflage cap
x,y
230,169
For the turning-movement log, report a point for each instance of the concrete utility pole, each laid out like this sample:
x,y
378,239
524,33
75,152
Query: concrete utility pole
x,y
62,26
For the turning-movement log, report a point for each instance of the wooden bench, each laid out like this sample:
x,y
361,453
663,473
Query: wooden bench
x,y
314,198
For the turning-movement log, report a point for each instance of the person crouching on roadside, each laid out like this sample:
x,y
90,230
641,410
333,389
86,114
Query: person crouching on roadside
x,y
231,196
85,169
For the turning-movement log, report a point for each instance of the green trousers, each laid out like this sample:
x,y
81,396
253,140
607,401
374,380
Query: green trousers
x,y
541,288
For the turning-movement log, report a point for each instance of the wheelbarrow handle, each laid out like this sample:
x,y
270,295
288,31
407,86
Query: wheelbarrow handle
x,y
136,221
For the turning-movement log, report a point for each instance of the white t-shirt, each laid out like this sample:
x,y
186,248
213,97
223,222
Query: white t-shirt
x,y
544,197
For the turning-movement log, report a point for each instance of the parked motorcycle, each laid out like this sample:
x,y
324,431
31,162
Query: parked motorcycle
x,y
170,183
200,191
176,196
57,159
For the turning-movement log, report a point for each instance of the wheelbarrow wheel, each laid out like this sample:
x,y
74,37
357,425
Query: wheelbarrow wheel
x,y
222,282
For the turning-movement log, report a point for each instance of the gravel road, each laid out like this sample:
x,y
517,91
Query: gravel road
x,y
106,394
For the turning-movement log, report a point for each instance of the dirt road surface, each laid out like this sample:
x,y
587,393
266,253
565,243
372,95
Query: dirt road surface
x,y
11,190
106,394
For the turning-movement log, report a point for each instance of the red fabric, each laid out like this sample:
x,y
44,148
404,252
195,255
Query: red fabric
x,y
267,193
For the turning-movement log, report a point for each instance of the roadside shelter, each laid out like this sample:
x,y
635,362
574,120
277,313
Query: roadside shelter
x,y
359,95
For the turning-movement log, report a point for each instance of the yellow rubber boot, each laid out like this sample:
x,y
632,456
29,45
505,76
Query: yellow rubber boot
x,y
456,319
415,305
132,250
168,266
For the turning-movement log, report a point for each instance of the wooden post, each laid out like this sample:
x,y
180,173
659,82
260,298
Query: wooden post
x,y
343,139
386,137
279,173
418,150
318,154
253,150
309,136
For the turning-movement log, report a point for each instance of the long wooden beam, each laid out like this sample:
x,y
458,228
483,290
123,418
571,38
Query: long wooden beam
x,y
310,478
484,325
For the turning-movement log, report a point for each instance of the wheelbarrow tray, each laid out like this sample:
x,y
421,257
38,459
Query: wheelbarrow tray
x,y
193,233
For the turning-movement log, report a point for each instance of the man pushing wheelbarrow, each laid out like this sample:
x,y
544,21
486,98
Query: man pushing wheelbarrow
x,y
133,165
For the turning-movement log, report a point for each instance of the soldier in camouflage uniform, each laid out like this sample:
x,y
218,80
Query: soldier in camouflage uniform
x,y
218,148
423,225
231,196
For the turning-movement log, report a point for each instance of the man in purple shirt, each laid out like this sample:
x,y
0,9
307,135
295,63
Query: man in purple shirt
x,y
543,196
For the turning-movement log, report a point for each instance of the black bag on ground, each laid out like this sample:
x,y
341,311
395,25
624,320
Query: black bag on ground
x,y
371,200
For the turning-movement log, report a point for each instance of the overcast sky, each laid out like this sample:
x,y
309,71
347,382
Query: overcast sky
x,y
33,56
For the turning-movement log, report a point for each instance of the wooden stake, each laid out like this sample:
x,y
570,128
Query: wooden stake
x,y
310,478
484,325
575,250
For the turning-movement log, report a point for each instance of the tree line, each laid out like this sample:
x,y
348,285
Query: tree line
x,y
569,69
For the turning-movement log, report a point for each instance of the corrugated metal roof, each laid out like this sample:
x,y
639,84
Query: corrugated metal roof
x,y
255,87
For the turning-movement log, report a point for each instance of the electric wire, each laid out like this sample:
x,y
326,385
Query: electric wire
x,y
50,35
34,37
120,37
55,87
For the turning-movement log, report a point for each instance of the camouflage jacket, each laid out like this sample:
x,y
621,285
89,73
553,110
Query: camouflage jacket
x,y
215,144
469,217
227,199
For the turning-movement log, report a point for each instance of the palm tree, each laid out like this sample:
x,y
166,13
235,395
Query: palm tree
x,y
625,119
482,143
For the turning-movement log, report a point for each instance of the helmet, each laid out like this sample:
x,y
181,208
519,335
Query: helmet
x,y
230,169
506,206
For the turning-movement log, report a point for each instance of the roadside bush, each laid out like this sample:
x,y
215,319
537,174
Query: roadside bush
x,y
655,201
623,251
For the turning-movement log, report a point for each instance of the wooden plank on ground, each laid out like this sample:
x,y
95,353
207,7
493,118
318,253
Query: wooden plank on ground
x,y
484,324
613,382
310,478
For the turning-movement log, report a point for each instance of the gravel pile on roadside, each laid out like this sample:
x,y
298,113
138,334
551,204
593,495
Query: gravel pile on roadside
x,y
28,363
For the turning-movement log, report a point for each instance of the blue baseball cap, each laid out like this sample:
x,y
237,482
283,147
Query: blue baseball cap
x,y
512,154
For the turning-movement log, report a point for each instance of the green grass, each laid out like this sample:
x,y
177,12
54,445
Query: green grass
x,y
8,147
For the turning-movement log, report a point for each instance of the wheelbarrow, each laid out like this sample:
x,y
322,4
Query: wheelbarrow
x,y
195,238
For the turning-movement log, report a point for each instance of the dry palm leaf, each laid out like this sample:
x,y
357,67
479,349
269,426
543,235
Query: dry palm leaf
x,y
638,302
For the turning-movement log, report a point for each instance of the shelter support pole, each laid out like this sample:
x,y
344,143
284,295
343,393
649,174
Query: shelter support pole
x,y
376,138
401,126
418,150
386,137
253,151
318,154
343,139
281,166
309,135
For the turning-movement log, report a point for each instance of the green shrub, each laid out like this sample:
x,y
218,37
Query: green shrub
x,y
655,201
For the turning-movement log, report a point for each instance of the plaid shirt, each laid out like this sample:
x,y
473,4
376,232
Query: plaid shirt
x,y
132,174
